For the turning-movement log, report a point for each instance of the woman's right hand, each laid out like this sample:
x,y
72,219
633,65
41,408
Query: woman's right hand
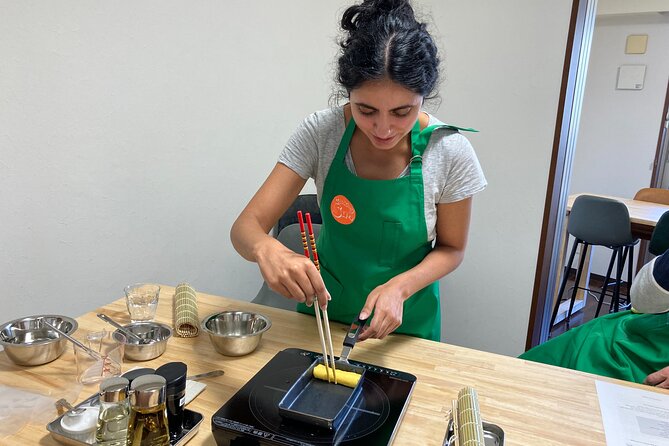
x,y
291,274
288,273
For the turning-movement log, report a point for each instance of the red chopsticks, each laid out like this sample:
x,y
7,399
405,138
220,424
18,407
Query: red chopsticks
x,y
327,358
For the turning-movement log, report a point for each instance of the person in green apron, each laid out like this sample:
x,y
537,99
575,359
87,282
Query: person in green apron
x,y
631,345
395,185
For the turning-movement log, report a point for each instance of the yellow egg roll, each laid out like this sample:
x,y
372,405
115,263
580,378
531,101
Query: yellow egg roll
x,y
348,379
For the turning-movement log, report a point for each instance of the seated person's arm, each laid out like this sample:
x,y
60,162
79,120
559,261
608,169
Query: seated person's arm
x,y
659,378
650,287
650,294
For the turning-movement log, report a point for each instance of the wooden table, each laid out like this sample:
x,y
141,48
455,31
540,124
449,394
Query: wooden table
x,y
534,404
644,215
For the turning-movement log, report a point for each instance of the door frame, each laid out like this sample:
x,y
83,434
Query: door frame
x,y
661,157
574,72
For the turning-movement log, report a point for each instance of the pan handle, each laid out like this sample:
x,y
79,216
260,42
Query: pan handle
x,y
353,332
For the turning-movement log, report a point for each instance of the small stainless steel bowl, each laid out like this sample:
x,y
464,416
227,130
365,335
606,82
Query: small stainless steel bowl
x,y
29,342
154,333
235,333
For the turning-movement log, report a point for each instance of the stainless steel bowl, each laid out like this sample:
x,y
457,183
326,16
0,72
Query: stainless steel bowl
x,y
29,342
155,336
235,333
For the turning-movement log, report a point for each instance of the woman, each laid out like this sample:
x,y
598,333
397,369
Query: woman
x,y
394,185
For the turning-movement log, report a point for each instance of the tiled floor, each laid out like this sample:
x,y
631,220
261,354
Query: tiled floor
x,y
587,313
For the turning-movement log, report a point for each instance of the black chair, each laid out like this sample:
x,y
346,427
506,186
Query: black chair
x,y
305,203
659,240
601,222
287,231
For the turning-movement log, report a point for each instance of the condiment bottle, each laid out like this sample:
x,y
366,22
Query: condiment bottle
x,y
175,394
112,424
148,415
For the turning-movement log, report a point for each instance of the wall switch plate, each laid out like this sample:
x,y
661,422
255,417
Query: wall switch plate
x,y
631,77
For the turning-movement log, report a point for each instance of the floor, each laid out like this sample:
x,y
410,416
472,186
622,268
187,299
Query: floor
x,y
587,313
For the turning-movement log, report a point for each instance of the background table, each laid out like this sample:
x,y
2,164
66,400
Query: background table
x,y
535,404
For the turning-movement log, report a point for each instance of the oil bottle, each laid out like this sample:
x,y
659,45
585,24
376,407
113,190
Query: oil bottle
x,y
148,414
112,424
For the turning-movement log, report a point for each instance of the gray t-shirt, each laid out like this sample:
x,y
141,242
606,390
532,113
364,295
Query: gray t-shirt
x,y
451,171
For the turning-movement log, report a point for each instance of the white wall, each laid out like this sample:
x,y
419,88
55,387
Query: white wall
x,y
505,65
619,128
133,133
629,7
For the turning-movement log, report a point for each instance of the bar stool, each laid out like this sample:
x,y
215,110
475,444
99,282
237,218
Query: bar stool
x,y
605,222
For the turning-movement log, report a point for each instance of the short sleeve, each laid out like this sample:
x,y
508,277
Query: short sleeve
x,y
301,151
464,176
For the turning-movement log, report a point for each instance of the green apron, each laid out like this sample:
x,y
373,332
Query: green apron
x,y
372,231
622,345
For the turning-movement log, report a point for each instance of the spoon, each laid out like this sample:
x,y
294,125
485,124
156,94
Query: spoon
x,y
123,330
77,420
70,409
91,352
211,374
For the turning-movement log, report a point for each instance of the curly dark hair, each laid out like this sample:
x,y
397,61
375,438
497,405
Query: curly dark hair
x,y
383,40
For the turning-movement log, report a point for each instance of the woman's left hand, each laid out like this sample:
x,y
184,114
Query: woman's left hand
x,y
388,304
387,300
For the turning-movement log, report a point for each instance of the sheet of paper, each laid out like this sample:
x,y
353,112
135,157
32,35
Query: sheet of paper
x,y
633,416
193,389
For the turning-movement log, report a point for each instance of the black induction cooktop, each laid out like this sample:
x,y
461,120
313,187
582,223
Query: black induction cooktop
x,y
251,417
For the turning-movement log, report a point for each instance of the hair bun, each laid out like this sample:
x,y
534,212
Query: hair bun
x,y
383,40
370,10
387,5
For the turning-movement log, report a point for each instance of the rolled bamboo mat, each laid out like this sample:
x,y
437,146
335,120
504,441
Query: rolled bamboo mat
x,y
186,319
469,424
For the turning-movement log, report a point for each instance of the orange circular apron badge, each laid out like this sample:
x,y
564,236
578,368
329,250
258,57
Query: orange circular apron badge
x,y
342,210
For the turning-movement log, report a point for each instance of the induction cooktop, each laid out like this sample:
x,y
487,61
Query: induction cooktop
x,y
251,416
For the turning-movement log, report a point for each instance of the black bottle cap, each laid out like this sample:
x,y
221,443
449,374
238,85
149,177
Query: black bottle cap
x,y
174,373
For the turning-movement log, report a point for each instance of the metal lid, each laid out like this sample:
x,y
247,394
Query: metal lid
x,y
147,391
174,374
136,373
114,389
